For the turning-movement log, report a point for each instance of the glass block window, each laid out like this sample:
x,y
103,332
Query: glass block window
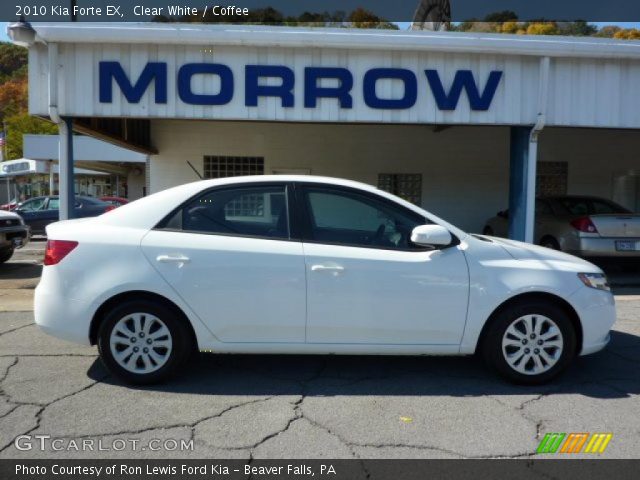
x,y
407,186
220,166
552,178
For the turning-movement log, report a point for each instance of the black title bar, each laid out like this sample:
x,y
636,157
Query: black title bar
x,y
282,11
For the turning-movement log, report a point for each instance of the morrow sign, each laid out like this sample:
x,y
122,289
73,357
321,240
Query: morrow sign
x,y
279,81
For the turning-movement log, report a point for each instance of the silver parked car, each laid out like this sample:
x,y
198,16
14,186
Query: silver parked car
x,y
585,226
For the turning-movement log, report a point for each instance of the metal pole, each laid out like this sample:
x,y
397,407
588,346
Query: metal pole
x,y
65,169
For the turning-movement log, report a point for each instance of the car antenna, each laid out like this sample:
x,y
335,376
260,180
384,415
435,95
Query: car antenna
x,y
194,169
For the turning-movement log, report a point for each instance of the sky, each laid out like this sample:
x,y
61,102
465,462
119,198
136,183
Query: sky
x,y
402,25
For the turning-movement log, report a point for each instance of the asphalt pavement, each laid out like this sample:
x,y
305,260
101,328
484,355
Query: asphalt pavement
x,y
249,406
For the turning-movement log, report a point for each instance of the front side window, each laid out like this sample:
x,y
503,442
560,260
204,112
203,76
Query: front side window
x,y
259,211
354,219
33,205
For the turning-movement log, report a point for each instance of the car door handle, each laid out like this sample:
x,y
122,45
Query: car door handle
x,y
172,259
327,268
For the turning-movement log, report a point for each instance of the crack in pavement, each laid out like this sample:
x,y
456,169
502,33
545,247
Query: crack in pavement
x,y
190,425
17,328
43,407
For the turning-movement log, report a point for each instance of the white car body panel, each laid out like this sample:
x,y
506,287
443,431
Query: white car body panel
x,y
368,295
243,289
282,306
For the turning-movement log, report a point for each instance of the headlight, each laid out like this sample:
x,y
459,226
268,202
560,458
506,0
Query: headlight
x,y
595,280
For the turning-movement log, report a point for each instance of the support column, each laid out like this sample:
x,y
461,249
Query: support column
x,y
521,186
65,169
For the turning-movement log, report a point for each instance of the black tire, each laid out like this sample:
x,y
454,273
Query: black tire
x,y
550,242
487,231
6,254
179,336
491,347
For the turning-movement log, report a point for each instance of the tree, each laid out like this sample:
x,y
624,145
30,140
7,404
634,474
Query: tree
x,y
14,100
542,28
13,96
627,34
13,61
20,124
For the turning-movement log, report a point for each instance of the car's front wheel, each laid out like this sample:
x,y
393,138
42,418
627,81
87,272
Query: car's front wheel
x,y
530,342
143,342
6,254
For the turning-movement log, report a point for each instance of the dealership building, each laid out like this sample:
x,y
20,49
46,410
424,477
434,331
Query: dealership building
x,y
463,124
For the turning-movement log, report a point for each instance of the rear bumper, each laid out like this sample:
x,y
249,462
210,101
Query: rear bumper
x,y
597,312
62,317
604,247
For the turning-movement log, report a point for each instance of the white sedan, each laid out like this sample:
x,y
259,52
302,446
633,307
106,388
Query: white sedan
x,y
311,265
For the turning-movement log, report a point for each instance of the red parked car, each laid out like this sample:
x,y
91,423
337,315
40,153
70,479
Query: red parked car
x,y
9,206
115,201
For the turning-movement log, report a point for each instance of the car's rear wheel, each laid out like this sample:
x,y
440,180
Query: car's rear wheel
x,y
6,254
530,343
143,342
550,242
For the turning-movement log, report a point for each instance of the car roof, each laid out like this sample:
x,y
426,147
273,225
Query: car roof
x,y
149,210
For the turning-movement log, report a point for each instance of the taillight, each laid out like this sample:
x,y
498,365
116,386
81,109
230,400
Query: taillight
x,y
584,224
109,208
58,249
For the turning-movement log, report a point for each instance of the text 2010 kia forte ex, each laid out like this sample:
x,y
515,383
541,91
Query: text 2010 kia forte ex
x,y
301,264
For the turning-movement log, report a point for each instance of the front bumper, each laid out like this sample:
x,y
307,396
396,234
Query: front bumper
x,y
597,312
17,236
604,247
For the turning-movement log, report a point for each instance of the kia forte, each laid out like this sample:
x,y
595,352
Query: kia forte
x,y
310,265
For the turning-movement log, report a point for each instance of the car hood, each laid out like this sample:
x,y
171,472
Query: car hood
x,y
4,215
527,251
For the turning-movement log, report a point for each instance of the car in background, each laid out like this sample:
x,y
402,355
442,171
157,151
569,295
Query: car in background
x,y
115,201
314,265
585,226
13,234
8,207
38,212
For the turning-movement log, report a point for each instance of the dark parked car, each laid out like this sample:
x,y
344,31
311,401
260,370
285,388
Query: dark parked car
x,y
38,212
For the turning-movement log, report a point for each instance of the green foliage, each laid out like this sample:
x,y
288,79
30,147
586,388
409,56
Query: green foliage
x,y
13,100
20,124
13,61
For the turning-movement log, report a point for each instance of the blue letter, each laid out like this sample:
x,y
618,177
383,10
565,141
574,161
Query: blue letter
x,y
188,70
463,79
133,93
253,90
410,88
312,91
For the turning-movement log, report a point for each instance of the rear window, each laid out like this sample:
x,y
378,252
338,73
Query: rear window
x,y
589,206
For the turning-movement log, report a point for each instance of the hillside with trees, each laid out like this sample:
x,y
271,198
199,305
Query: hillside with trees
x,y
14,100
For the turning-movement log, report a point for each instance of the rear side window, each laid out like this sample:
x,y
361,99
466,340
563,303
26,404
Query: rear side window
x,y
259,211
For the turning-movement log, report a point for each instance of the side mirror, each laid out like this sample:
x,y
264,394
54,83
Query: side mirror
x,y
503,214
431,236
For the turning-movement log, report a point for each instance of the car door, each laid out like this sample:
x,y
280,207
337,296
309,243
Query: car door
x,y
34,213
366,282
230,255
